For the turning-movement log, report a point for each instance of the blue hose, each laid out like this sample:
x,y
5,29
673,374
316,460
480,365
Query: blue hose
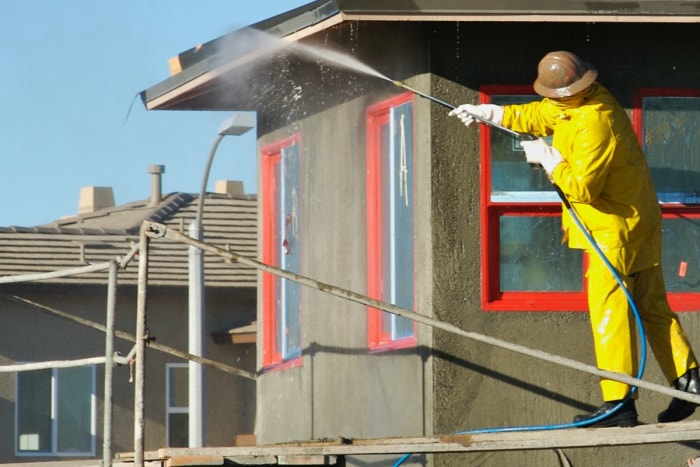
x,y
640,328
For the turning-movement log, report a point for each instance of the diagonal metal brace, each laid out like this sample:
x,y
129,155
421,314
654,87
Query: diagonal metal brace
x,y
156,230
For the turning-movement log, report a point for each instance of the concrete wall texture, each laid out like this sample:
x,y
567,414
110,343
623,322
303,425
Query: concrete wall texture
x,y
446,383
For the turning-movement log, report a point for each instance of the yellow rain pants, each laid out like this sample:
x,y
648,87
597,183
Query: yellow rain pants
x,y
615,329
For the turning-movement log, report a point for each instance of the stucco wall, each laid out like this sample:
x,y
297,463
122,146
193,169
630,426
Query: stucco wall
x,y
341,389
338,377
29,335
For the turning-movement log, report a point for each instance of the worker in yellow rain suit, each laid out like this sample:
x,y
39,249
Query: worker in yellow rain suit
x,y
597,162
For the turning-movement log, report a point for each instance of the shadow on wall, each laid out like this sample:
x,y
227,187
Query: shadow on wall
x,y
424,352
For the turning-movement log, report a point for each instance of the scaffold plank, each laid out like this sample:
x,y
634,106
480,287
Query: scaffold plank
x,y
329,452
499,441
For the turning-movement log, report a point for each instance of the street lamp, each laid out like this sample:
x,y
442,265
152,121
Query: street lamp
x,y
238,124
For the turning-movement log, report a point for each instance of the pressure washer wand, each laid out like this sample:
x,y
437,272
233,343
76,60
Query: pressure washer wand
x,y
520,136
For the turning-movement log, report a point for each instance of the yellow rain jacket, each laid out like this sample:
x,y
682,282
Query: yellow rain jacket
x,y
605,177
604,174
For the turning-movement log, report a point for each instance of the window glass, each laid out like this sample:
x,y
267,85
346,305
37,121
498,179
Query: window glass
x,y
669,122
399,230
681,254
391,218
533,258
178,430
55,411
672,144
512,178
178,385
74,409
282,247
291,258
177,409
34,427
276,253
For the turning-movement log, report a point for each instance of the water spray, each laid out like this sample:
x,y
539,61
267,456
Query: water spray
x,y
517,134
351,63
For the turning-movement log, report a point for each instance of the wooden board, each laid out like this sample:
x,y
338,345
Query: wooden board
x,y
504,441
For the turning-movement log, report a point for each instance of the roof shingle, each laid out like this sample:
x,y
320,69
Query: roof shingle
x,y
230,222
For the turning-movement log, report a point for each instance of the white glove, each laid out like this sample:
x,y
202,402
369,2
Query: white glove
x,y
539,152
490,112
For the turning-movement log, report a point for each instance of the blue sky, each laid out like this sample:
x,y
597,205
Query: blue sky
x,y
71,69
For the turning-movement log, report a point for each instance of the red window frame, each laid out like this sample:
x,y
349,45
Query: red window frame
x,y
495,300
492,298
679,301
272,357
378,337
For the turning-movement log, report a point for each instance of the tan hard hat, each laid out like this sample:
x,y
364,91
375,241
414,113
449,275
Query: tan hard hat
x,y
563,74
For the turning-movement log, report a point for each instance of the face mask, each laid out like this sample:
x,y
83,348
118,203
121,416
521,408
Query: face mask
x,y
574,101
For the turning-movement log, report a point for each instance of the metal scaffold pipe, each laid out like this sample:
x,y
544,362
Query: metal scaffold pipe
x,y
140,366
109,365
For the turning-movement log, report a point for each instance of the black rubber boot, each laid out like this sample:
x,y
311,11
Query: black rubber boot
x,y
679,409
625,416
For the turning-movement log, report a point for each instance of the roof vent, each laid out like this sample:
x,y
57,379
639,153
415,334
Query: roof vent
x,y
95,198
229,187
156,190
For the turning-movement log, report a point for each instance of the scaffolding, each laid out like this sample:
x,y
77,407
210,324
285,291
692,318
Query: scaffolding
x,y
316,453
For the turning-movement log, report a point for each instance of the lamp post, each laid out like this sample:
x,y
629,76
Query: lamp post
x,y
237,124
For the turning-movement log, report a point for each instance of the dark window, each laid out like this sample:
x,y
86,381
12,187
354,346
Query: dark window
x,y
55,412
669,122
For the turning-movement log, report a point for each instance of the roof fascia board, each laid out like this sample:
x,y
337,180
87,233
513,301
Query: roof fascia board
x,y
340,17
525,18
582,8
299,18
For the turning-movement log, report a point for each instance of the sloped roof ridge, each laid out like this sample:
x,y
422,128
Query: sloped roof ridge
x,y
167,209
239,196
72,225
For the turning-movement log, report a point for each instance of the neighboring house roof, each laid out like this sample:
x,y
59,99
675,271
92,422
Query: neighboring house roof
x,y
230,222
200,73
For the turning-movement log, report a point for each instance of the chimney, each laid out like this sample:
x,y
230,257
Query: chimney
x,y
95,198
156,191
229,187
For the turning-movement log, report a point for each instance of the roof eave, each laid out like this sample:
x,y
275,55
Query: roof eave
x,y
207,65
207,62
